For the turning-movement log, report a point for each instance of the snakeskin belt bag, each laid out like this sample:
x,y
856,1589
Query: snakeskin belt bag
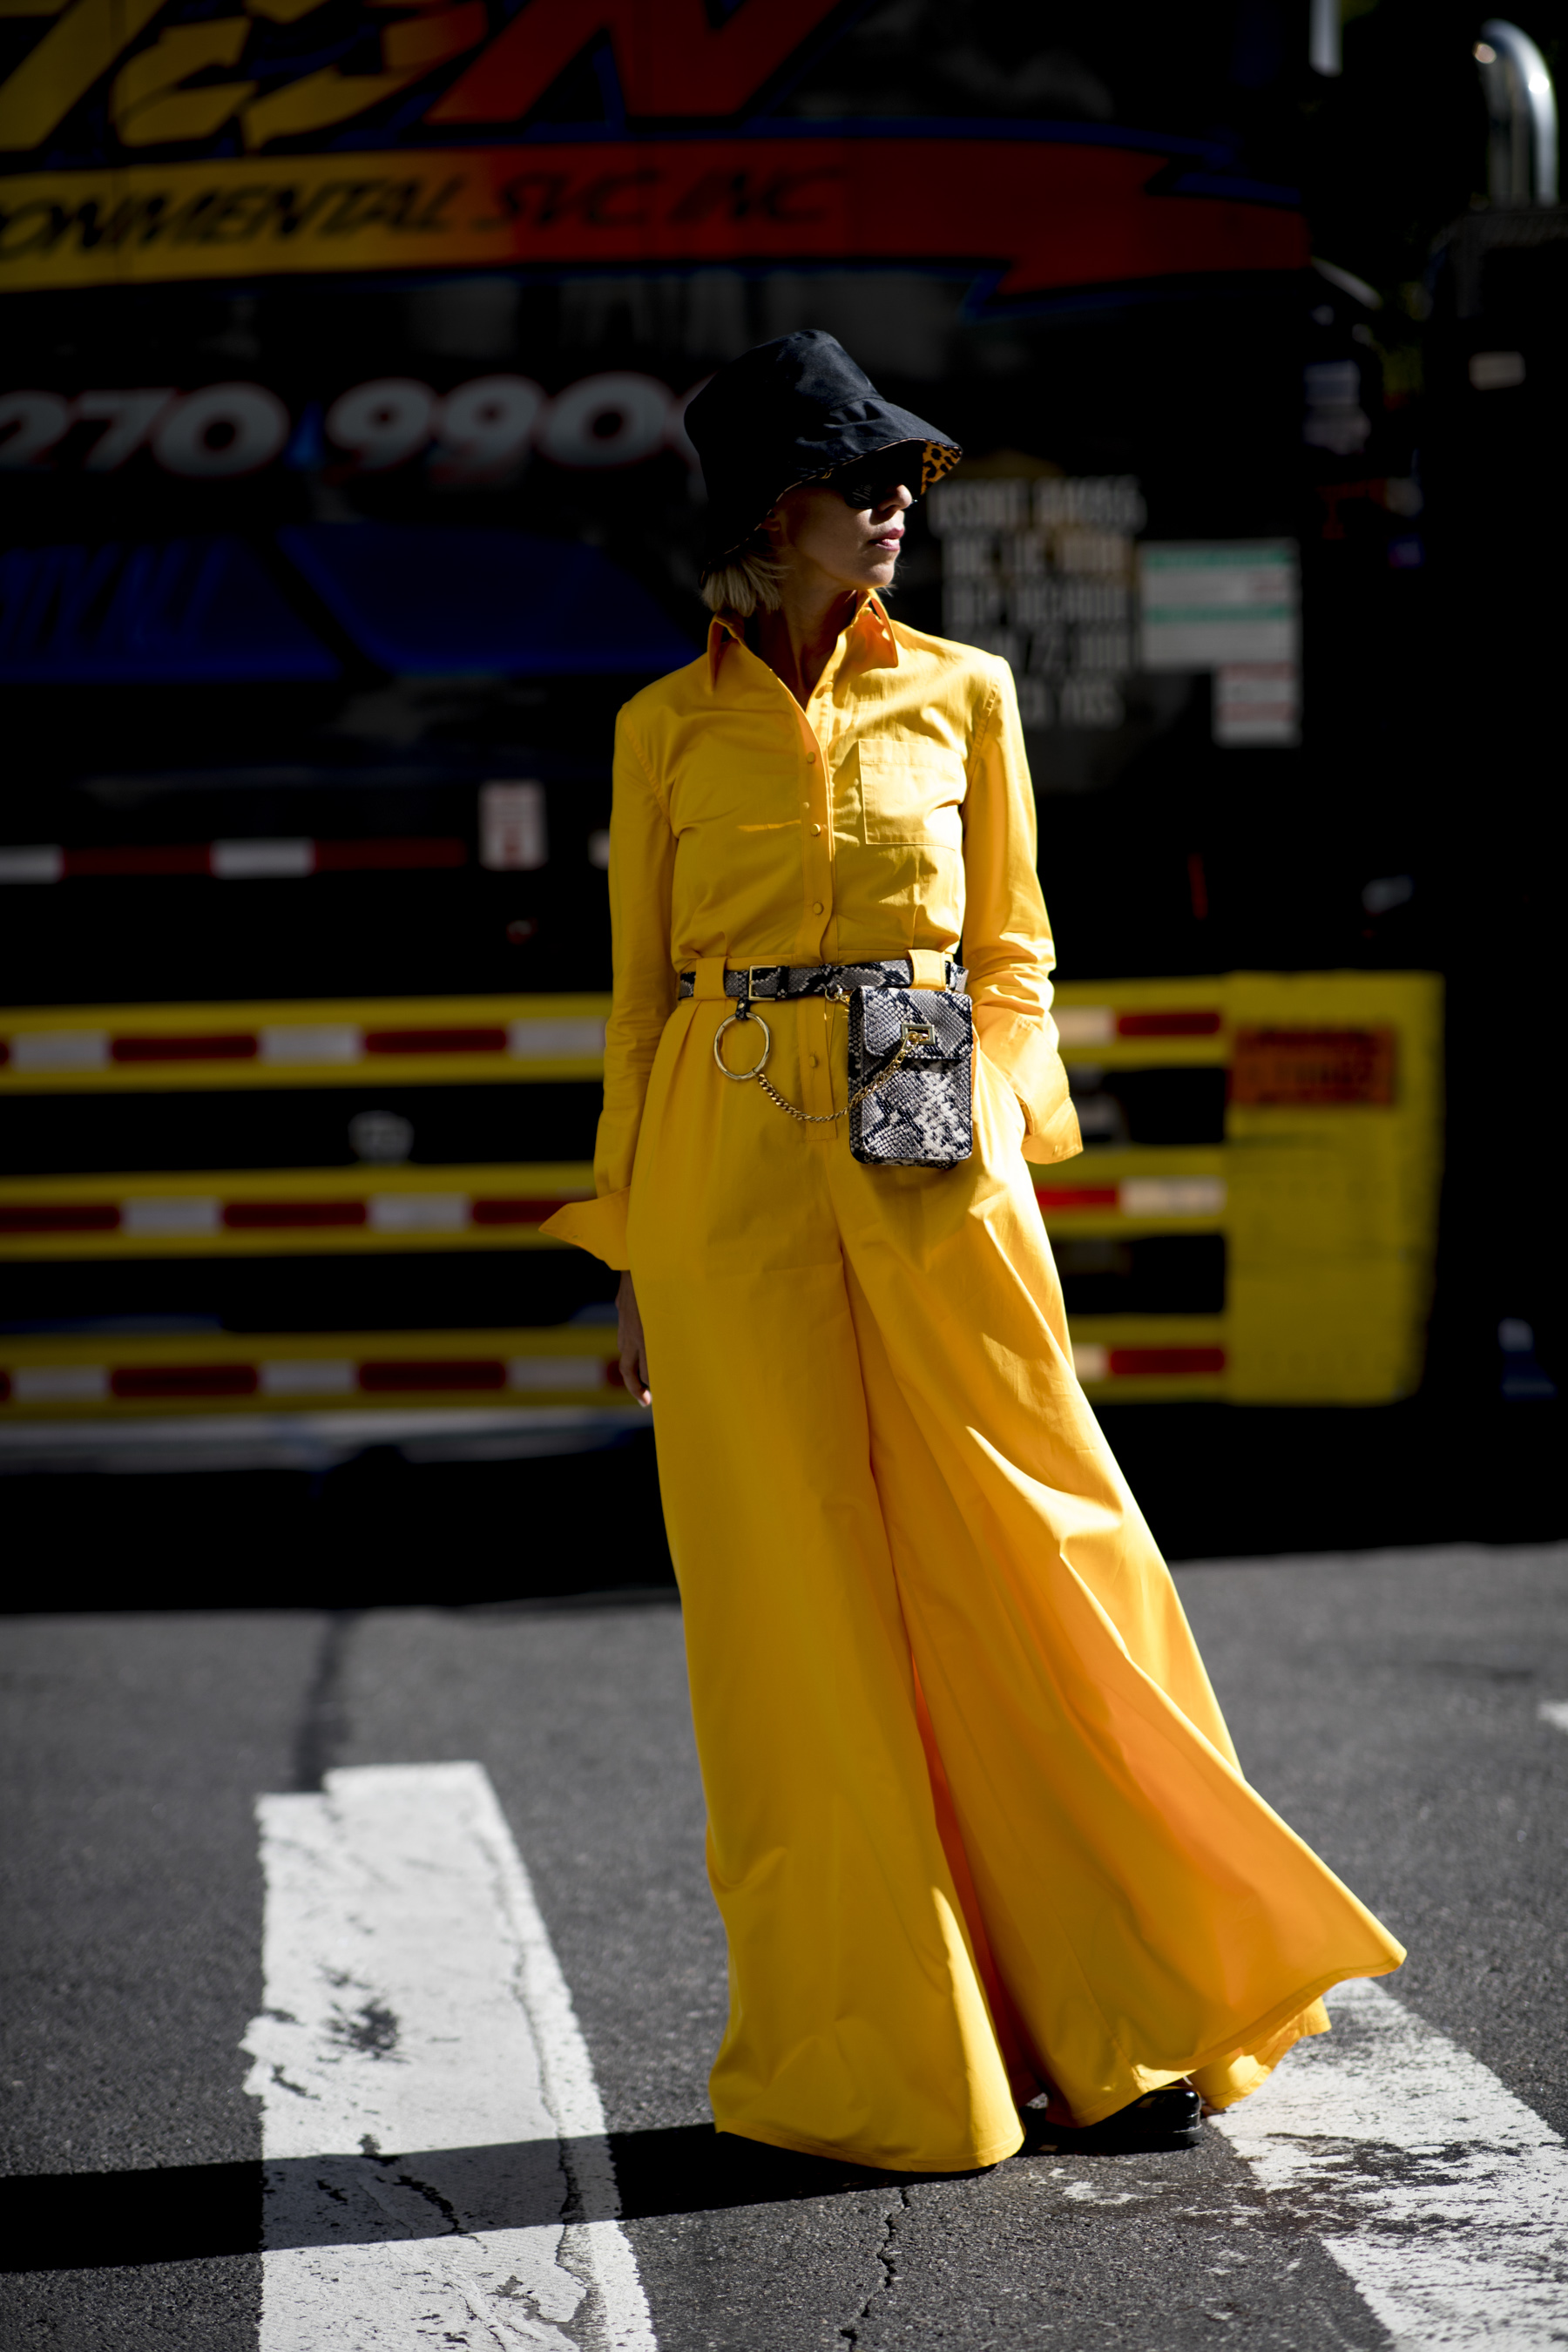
x,y
911,1056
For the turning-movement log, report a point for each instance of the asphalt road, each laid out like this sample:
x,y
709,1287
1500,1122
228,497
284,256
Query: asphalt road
x,y
1388,1704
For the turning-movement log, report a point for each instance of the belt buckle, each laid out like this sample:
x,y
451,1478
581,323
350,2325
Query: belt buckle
x,y
748,996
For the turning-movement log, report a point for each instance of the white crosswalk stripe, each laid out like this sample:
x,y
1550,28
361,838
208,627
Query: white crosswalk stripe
x,y
1442,2196
423,2082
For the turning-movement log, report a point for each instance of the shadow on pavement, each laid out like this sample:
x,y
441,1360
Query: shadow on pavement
x,y
111,2221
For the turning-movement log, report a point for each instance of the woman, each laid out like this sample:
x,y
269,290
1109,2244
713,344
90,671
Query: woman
x,y
976,1828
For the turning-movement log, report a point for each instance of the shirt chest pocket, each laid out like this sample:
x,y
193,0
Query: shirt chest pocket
x,y
911,790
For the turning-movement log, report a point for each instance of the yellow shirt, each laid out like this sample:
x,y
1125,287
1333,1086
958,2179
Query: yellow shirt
x,y
893,814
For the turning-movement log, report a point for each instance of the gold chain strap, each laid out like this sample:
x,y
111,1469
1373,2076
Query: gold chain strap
x,y
806,1118
827,1118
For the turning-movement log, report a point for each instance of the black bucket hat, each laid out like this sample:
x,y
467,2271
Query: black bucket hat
x,y
790,412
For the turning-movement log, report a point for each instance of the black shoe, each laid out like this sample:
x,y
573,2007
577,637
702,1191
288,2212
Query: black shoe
x,y
1160,2120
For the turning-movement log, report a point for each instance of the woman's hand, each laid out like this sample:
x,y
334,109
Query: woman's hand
x,y
634,1347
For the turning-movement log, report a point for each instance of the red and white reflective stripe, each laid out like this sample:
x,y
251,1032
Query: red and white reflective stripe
x,y
181,1215
175,1214
1101,1025
308,1380
1056,1200
574,1037
1139,1196
229,861
1093,1362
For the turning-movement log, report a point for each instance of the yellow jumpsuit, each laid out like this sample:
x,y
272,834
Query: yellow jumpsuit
x,y
975,1824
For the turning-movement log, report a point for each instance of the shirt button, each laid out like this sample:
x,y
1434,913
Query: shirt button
x,y
811,759
816,905
812,1059
817,828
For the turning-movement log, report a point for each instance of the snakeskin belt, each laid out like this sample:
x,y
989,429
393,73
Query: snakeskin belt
x,y
777,984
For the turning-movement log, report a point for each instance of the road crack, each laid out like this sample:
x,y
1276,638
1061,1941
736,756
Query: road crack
x,y
392,2177
886,2258
322,1731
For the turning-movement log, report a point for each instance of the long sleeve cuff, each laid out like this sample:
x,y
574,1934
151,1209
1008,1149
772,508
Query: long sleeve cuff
x,y
1024,1052
1057,1139
598,1226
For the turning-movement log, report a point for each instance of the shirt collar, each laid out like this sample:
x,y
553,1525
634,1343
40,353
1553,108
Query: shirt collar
x,y
721,628
876,633
871,626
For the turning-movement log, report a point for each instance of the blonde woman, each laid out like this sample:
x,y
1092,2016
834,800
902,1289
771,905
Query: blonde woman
x,y
977,1830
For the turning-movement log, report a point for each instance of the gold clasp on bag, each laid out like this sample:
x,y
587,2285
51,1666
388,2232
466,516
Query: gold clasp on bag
x,y
917,1033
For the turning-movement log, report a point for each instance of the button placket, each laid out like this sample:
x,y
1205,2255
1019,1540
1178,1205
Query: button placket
x,y
816,841
816,1061
816,834
817,1072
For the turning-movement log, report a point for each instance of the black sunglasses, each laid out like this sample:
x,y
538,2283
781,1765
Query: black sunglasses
x,y
871,481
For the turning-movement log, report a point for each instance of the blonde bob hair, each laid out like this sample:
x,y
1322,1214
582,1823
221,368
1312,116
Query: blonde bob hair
x,y
749,578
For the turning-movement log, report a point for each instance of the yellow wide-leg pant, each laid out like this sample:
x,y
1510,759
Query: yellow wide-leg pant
x,y
975,1824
